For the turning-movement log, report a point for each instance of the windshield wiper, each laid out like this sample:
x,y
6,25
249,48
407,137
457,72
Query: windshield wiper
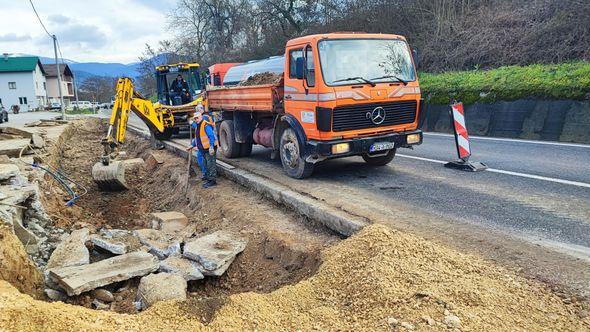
x,y
404,82
356,78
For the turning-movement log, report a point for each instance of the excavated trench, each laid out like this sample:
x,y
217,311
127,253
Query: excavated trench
x,y
282,249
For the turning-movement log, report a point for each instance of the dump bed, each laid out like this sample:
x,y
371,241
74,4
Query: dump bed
x,y
253,98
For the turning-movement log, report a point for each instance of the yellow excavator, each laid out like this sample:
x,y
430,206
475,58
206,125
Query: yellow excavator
x,y
165,118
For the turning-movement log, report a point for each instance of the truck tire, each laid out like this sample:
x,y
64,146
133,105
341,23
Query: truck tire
x,y
245,149
293,162
381,160
227,140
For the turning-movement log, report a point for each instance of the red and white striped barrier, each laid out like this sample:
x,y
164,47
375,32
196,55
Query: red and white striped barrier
x,y
462,142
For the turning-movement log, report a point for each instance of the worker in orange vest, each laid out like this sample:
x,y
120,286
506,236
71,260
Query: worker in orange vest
x,y
205,143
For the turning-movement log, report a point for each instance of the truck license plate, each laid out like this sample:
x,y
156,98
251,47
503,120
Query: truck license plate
x,y
381,146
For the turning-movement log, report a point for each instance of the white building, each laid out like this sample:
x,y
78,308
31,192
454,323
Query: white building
x,y
22,82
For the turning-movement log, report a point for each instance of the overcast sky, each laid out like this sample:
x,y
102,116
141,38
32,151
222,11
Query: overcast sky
x,y
88,31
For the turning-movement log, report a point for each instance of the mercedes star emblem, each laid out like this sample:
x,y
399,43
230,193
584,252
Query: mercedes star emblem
x,y
377,116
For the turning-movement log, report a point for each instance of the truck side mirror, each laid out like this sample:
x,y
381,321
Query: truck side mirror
x,y
416,57
299,68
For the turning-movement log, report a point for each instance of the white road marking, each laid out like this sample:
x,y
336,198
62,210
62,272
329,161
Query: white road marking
x,y
500,171
514,140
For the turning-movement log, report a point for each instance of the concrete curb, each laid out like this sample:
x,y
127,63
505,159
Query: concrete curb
x,y
339,221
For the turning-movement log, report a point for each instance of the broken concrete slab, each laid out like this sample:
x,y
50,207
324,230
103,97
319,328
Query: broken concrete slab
x,y
114,246
162,245
161,287
116,241
71,252
153,160
13,147
79,279
187,268
214,252
169,222
37,141
8,171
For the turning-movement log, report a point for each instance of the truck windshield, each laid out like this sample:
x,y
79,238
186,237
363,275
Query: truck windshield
x,y
377,60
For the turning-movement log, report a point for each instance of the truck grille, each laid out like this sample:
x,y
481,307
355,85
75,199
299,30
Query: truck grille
x,y
355,116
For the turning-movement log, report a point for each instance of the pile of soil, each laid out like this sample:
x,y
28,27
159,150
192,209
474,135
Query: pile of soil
x,y
262,78
15,265
378,279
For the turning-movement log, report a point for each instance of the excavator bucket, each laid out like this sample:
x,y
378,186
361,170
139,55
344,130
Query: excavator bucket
x,y
109,177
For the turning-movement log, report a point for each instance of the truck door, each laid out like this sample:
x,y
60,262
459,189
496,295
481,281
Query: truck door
x,y
301,93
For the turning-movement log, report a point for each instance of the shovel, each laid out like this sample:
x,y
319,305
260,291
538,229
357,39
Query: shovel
x,y
190,152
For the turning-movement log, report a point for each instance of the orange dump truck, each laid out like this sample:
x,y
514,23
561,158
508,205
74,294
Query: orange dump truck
x,y
334,95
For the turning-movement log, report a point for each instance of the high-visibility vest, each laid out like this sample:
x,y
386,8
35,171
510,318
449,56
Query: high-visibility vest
x,y
202,138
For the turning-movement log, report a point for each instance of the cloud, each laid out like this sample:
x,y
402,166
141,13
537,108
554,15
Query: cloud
x,y
58,19
13,37
84,35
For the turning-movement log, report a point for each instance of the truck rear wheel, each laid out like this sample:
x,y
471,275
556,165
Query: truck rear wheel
x,y
227,140
380,160
292,157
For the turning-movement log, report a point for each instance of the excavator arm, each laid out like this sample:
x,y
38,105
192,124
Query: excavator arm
x,y
109,173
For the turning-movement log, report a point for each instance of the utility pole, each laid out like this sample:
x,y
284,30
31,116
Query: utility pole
x,y
61,96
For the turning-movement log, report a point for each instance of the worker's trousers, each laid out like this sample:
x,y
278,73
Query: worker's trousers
x,y
209,165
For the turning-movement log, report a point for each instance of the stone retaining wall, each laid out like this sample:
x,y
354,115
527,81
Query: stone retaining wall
x,y
553,120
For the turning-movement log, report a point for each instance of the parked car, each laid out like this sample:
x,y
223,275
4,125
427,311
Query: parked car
x,y
3,115
80,104
54,106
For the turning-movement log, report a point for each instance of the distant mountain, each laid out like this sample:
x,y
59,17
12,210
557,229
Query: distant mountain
x,y
83,70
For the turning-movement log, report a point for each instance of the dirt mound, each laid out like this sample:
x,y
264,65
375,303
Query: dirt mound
x,y
15,265
376,278
262,78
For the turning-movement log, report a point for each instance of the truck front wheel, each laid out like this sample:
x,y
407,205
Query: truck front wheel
x,y
292,157
380,160
227,140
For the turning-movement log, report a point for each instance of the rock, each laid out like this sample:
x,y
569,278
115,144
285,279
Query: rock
x,y
452,321
153,160
428,320
37,141
103,295
169,222
160,287
78,279
407,326
55,295
98,305
70,252
188,269
160,244
8,171
392,321
214,252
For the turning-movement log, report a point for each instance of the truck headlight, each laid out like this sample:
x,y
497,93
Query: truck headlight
x,y
340,148
413,138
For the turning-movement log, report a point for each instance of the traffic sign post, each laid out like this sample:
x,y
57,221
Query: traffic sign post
x,y
462,142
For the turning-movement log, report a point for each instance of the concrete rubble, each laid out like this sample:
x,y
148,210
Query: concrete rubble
x,y
71,252
186,268
160,287
116,241
78,279
214,252
160,244
169,222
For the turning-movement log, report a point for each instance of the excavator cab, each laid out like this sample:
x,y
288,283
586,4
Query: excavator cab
x,y
166,74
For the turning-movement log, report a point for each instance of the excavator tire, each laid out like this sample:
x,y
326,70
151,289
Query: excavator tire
x,y
109,177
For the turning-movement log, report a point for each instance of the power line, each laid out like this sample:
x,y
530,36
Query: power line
x,y
40,21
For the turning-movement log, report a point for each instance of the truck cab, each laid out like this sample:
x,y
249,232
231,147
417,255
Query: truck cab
x,y
341,94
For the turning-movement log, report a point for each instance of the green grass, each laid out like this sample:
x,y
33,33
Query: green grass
x,y
563,81
81,111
